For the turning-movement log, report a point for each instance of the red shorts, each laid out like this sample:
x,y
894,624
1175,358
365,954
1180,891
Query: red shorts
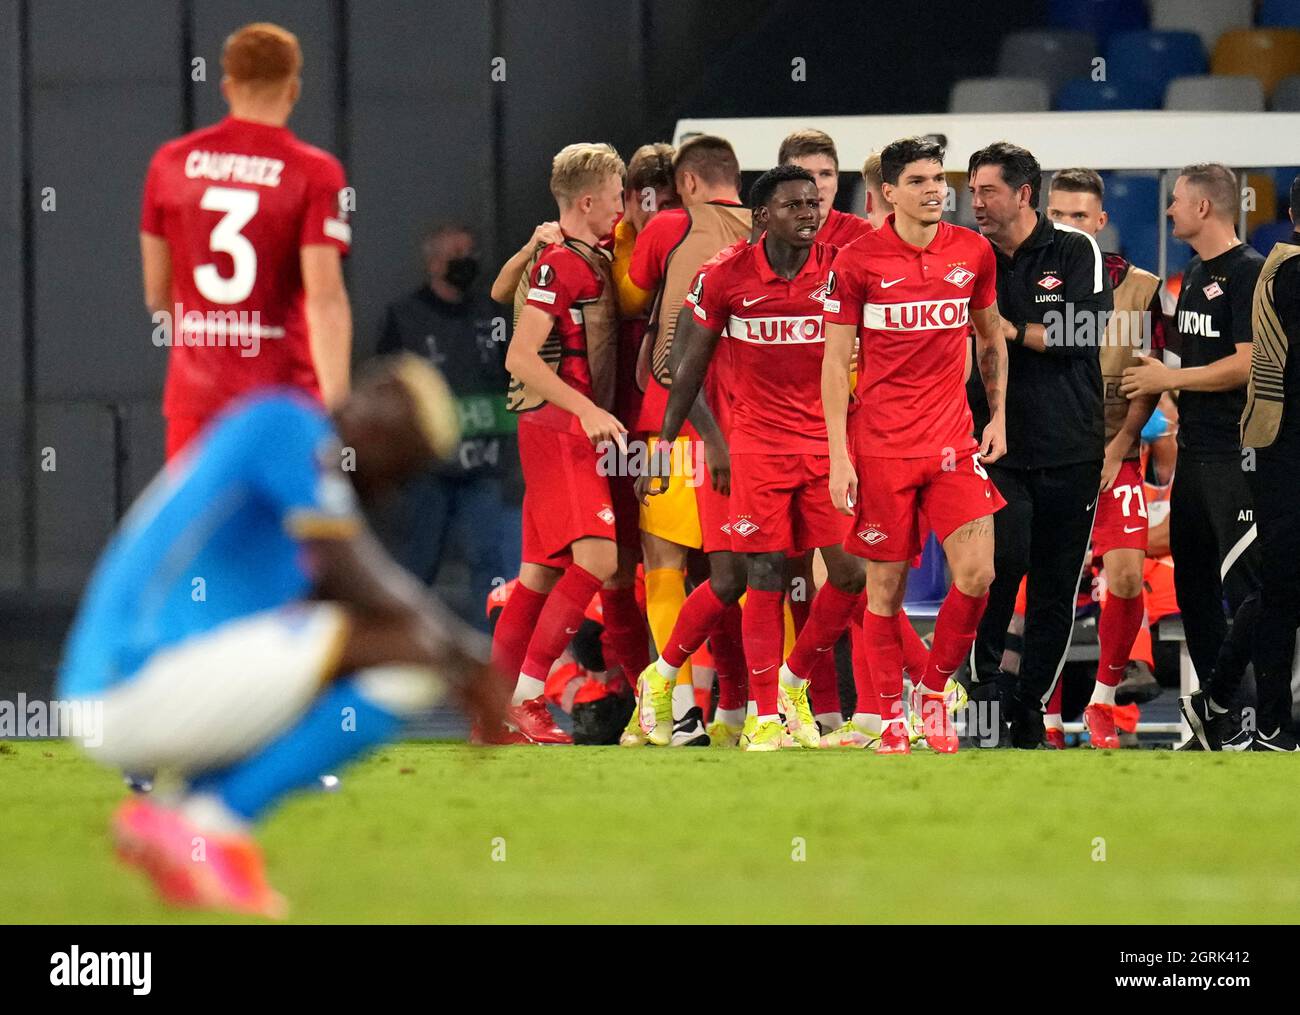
x,y
565,496
783,502
1121,522
715,515
897,496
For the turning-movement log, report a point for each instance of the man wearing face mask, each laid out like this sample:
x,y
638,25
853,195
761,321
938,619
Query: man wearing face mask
x,y
451,323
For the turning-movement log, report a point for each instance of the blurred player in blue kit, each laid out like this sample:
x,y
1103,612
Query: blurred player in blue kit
x,y
245,632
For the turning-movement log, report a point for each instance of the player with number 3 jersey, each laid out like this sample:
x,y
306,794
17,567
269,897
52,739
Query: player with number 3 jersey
x,y
242,230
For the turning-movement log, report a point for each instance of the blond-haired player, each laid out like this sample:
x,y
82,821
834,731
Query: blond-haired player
x,y
562,360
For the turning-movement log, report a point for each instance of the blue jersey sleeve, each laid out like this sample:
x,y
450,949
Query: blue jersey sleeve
x,y
296,464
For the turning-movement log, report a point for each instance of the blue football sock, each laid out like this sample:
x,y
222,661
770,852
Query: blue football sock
x,y
327,735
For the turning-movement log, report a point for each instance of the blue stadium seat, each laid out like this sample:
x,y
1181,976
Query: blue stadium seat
x,y
928,583
1278,14
1155,56
1283,177
1103,18
1131,202
1263,238
1086,94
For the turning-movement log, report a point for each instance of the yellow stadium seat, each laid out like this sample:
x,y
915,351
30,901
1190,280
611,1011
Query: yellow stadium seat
x,y
1265,210
1269,54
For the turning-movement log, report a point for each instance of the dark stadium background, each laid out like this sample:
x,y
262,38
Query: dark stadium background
x,y
402,92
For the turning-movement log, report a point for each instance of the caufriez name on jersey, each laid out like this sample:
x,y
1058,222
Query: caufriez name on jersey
x,y
776,330
227,167
920,316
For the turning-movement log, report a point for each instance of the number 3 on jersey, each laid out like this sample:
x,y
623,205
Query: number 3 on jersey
x,y
239,206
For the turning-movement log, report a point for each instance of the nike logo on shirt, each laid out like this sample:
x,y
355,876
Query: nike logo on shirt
x,y
1129,531
750,303
886,285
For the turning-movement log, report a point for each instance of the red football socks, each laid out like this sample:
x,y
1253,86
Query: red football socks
x,y
727,640
884,651
763,622
698,617
954,633
514,629
626,636
831,612
868,702
559,620
1116,632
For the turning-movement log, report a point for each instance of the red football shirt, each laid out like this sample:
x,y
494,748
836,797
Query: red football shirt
x,y
236,202
840,228
717,382
773,328
560,283
912,308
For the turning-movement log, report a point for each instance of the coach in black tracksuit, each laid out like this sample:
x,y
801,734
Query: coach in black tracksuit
x,y
1053,294
1211,519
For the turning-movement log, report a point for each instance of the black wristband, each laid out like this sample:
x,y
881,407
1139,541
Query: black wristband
x,y
1019,337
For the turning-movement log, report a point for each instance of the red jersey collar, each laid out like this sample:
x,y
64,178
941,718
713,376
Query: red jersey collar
x,y
765,272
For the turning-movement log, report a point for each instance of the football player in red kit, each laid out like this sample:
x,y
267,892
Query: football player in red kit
x,y
562,362
242,232
814,150
910,290
767,297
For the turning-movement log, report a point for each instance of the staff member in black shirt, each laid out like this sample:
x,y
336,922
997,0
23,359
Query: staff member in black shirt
x,y
457,327
1211,524
1054,295
1271,426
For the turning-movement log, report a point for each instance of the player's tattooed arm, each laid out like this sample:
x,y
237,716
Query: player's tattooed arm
x,y
507,280
991,354
156,264
836,363
524,360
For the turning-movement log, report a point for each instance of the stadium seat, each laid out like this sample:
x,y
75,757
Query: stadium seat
x,y
1278,14
1283,177
1103,18
999,95
1209,20
1085,94
1286,96
1265,199
1155,56
1215,93
1131,202
1053,56
1269,54
1263,238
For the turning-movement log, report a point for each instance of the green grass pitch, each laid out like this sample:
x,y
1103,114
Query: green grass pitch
x,y
430,832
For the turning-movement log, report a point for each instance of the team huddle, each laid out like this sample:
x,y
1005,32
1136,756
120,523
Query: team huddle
x,y
782,400
812,366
